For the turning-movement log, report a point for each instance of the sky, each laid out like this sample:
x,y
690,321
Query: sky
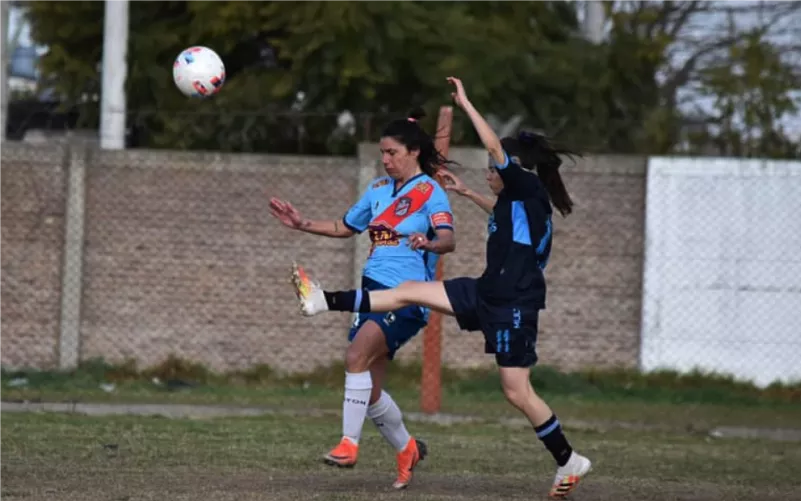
x,y
787,31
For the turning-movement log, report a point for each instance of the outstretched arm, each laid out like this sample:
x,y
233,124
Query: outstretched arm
x,y
335,228
291,218
455,185
515,180
491,141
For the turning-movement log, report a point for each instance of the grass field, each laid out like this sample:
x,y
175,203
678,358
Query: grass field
x,y
654,444
69,457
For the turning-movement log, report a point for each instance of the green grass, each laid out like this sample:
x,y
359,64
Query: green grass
x,y
693,402
64,457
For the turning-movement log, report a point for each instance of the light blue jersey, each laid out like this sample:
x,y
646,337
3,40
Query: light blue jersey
x,y
419,206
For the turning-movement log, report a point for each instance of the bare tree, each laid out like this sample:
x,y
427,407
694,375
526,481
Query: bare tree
x,y
700,35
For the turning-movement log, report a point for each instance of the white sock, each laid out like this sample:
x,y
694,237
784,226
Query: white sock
x,y
357,397
387,417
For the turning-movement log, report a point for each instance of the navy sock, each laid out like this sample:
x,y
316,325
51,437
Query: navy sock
x,y
353,300
550,433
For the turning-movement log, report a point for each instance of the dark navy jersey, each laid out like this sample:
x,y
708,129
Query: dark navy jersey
x,y
519,242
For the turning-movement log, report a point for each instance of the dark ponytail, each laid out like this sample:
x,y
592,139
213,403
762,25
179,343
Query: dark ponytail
x,y
535,151
408,132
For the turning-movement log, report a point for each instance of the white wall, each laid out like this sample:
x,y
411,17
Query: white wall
x,y
722,270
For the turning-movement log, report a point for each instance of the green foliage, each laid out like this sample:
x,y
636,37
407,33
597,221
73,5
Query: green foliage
x,y
620,384
384,57
517,58
751,90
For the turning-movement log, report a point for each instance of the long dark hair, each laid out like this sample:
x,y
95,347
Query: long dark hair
x,y
536,151
408,132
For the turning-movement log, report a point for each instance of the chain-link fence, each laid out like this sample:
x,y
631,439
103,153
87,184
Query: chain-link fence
x,y
722,275
142,254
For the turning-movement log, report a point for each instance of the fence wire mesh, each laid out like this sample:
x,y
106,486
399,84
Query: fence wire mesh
x,y
180,256
722,276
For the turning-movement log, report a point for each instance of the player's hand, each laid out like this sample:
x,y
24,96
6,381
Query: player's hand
x,y
459,95
452,182
286,213
419,241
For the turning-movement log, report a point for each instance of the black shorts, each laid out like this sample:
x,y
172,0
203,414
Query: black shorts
x,y
510,332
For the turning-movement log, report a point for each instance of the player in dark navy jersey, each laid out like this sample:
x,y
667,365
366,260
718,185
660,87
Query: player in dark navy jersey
x,y
504,302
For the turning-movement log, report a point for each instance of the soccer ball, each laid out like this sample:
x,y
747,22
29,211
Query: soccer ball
x,y
198,72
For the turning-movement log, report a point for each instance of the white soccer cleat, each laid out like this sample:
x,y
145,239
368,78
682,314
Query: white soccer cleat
x,y
311,297
569,475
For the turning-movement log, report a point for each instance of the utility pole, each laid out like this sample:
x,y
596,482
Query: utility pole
x,y
114,72
594,19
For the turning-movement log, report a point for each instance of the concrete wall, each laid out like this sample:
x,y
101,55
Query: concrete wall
x,y
177,254
722,274
33,198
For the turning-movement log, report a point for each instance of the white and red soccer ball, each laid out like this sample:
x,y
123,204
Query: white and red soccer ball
x,y
198,72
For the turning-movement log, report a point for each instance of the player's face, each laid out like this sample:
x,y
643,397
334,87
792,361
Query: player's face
x,y
494,180
399,162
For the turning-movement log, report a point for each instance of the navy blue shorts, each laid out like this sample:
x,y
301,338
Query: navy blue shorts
x,y
510,332
398,326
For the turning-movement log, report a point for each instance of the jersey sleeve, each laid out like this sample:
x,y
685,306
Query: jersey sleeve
x,y
516,181
439,211
359,215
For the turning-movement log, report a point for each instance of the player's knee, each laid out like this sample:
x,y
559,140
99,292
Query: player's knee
x,y
410,292
407,290
365,349
356,360
516,386
515,395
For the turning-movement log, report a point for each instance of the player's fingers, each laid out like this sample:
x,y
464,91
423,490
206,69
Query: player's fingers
x,y
277,215
417,240
452,181
278,212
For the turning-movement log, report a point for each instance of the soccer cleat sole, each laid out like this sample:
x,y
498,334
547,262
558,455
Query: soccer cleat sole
x,y
567,485
332,462
297,283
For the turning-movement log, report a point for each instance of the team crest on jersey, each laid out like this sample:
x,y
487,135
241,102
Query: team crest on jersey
x,y
402,207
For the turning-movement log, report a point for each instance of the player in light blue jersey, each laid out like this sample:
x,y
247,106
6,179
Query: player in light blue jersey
x,y
410,223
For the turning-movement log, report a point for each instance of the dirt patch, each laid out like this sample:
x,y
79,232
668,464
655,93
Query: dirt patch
x,y
349,485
